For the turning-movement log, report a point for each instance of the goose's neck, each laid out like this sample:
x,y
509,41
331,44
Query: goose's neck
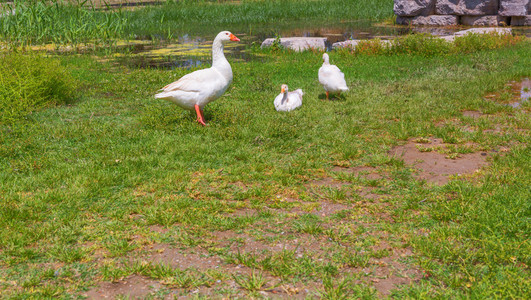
x,y
218,58
285,97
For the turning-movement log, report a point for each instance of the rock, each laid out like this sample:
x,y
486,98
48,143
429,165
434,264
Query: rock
x,y
434,20
466,7
484,20
435,31
353,43
448,38
298,43
484,31
403,20
521,21
412,8
512,8
350,43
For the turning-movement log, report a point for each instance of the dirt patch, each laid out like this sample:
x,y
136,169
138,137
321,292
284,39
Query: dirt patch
x,y
327,181
363,171
134,287
436,167
158,229
182,259
326,209
472,113
242,213
391,272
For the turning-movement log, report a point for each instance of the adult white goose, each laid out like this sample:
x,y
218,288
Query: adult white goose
x,y
287,101
197,89
331,77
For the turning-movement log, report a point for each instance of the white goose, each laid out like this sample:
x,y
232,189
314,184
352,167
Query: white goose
x,y
331,77
197,89
287,101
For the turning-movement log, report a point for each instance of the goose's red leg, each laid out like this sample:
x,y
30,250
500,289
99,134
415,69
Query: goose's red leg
x,y
327,95
199,113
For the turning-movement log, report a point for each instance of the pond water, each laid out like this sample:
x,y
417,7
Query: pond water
x,y
192,50
195,49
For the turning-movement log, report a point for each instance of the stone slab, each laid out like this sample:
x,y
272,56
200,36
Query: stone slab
x,y
467,7
484,31
434,20
512,8
353,43
484,20
521,21
412,8
298,43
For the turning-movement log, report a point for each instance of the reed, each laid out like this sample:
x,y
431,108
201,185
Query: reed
x,y
36,22
27,23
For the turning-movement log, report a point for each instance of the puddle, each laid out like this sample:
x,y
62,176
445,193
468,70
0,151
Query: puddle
x,y
514,94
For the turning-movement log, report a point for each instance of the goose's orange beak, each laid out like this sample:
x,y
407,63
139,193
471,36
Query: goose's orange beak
x,y
282,90
233,38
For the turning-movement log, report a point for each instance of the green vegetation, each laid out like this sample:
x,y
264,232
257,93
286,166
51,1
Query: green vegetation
x,y
118,185
96,178
43,22
30,82
428,45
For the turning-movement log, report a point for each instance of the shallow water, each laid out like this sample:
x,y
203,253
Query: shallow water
x,y
194,50
514,94
525,93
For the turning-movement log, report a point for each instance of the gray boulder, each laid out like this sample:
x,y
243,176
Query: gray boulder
x,y
412,8
434,20
484,31
521,21
484,20
513,8
466,7
298,43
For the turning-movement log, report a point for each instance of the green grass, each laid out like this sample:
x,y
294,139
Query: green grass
x,y
30,82
87,188
75,24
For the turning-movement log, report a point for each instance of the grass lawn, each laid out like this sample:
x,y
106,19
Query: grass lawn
x,y
115,193
118,186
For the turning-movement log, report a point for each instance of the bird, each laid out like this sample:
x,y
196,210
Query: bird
x,y
195,90
288,101
331,77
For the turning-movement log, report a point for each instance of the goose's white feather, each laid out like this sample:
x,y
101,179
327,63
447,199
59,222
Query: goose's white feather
x,y
331,77
202,86
288,101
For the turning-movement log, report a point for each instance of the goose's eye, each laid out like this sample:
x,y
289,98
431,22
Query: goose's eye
x,y
227,33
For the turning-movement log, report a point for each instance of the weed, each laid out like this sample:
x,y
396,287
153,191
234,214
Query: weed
x,y
335,290
30,82
252,282
308,223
